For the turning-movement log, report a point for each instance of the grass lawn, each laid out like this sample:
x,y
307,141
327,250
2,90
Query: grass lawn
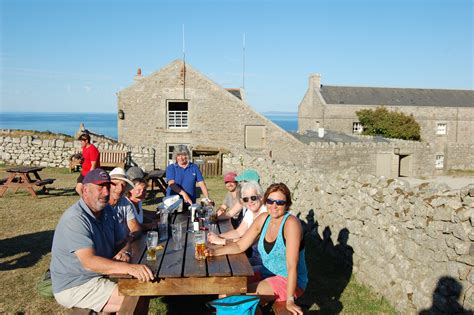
x,y
26,232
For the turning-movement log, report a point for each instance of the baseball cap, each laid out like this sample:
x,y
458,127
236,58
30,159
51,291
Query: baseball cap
x,y
97,176
135,172
119,173
230,177
248,175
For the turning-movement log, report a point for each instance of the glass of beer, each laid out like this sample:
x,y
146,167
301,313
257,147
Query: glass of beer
x,y
199,245
151,244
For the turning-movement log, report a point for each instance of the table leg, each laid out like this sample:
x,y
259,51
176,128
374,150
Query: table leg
x,y
5,186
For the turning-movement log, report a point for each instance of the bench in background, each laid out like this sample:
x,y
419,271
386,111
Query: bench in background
x,y
108,159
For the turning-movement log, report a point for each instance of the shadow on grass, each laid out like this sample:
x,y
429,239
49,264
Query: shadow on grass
x,y
329,268
31,247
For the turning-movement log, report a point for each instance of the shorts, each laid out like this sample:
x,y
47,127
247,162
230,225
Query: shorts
x,y
93,294
80,179
278,284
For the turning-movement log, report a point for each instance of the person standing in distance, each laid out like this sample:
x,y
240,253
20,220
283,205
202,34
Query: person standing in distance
x,y
91,157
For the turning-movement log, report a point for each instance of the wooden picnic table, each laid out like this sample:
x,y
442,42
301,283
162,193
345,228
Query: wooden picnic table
x,y
177,272
26,177
157,177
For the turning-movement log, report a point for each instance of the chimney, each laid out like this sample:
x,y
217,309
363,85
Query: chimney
x,y
138,77
315,81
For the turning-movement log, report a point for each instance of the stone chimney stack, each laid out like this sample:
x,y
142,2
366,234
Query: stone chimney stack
x,y
315,81
138,77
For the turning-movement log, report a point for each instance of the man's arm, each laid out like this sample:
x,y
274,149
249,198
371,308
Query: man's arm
x,y
102,265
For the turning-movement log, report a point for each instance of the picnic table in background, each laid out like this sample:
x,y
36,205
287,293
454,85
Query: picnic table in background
x,y
157,177
26,177
177,272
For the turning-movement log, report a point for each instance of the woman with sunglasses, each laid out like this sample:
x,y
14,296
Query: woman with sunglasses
x,y
283,275
251,194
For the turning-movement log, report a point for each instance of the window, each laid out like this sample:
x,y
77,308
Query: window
x,y
441,128
357,127
169,152
177,115
439,161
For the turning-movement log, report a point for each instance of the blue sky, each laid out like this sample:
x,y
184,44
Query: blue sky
x,y
74,56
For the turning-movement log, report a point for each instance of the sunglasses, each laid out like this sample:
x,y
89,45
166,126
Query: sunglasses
x,y
278,202
246,199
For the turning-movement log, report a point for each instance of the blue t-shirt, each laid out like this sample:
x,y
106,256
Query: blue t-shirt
x,y
77,229
186,178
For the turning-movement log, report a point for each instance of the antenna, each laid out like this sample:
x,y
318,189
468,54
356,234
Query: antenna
x,y
184,67
243,62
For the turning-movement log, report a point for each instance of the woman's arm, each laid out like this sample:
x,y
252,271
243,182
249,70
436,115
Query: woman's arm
x,y
244,243
293,234
236,208
202,185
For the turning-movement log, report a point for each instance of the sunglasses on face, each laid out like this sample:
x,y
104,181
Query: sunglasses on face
x,y
246,199
278,202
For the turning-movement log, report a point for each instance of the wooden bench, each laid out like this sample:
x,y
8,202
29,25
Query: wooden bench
x,y
43,182
108,159
113,158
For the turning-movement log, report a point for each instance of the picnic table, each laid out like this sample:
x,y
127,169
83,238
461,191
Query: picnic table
x,y
26,177
157,177
177,272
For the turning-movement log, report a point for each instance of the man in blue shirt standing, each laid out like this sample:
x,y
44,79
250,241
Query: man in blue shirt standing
x,y
183,176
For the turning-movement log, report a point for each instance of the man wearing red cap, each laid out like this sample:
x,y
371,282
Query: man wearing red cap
x,y
84,249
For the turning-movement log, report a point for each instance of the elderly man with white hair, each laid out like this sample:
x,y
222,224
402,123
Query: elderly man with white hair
x,y
183,176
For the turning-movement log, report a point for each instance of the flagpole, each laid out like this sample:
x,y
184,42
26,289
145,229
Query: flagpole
x,y
243,62
184,67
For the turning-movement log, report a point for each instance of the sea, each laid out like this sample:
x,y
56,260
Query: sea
x,y
99,123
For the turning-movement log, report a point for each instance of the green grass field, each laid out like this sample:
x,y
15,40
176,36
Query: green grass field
x,y
26,231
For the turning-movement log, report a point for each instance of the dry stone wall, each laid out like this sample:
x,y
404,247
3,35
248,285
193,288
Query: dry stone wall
x,y
402,241
29,150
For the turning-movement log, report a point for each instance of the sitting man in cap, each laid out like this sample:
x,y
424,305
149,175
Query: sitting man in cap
x,y
237,211
84,250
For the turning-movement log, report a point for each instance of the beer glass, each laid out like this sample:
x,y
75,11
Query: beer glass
x,y
199,245
151,244
177,234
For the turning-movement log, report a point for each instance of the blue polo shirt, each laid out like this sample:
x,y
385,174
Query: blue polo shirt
x,y
186,178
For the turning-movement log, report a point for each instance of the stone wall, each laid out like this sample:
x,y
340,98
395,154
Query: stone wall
x,y
402,240
29,150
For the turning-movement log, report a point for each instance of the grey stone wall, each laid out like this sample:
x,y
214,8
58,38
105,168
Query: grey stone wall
x,y
29,150
402,240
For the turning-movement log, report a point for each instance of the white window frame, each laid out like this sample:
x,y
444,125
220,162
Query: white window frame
x,y
169,152
439,161
357,127
177,119
441,128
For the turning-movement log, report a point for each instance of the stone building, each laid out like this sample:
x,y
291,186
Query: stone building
x,y
446,117
179,105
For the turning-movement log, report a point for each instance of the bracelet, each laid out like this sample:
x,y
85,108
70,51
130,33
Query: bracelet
x,y
127,253
290,298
